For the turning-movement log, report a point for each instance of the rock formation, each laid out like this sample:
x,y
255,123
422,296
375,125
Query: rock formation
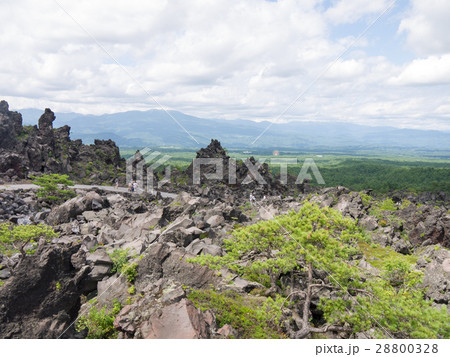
x,y
245,177
31,150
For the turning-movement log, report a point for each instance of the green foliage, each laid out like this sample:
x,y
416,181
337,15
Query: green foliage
x,y
381,171
387,175
119,258
253,317
2,283
366,199
58,286
391,303
27,130
380,208
130,271
320,236
405,203
99,321
54,187
13,238
122,265
398,272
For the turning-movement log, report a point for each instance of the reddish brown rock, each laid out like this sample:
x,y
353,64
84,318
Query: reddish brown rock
x,y
181,320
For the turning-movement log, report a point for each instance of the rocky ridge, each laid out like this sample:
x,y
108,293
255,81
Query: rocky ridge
x,y
34,150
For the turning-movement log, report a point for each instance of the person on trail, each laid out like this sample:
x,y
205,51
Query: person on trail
x,y
134,186
130,186
116,184
252,199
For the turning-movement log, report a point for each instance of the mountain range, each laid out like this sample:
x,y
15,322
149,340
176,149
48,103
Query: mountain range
x,y
156,128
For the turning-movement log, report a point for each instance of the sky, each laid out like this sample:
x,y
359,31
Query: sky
x,y
373,62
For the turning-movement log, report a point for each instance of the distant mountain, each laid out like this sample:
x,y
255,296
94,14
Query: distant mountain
x,y
157,128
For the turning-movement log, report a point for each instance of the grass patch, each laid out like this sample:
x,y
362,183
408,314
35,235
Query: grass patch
x,y
377,255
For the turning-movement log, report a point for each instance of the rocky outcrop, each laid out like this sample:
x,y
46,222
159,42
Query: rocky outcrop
x,y
32,150
243,177
42,298
70,209
437,274
179,320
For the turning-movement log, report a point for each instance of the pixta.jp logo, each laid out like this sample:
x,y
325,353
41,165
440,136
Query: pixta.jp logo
x,y
142,166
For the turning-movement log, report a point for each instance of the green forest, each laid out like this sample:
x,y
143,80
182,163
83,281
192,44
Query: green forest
x,y
379,171
388,176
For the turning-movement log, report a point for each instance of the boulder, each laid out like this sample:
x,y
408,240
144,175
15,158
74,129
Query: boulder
x,y
180,222
74,207
32,304
199,246
99,257
165,261
215,221
437,277
227,331
181,320
368,222
101,265
113,288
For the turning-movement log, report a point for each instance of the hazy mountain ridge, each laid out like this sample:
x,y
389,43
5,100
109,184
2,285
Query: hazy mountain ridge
x,y
156,128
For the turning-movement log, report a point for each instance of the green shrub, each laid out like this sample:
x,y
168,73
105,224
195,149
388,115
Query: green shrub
x,y
54,188
132,290
130,271
122,265
99,322
392,304
13,239
379,208
366,199
399,272
119,258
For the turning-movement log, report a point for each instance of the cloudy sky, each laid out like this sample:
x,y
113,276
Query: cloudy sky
x,y
375,62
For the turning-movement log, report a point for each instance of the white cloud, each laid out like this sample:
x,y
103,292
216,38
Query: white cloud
x,y
223,58
431,70
345,11
427,27
345,70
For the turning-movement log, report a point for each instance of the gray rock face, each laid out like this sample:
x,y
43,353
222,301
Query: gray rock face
x,y
17,206
31,306
350,205
369,222
199,246
162,260
437,277
42,149
179,320
73,208
215,221
46,120
112,288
